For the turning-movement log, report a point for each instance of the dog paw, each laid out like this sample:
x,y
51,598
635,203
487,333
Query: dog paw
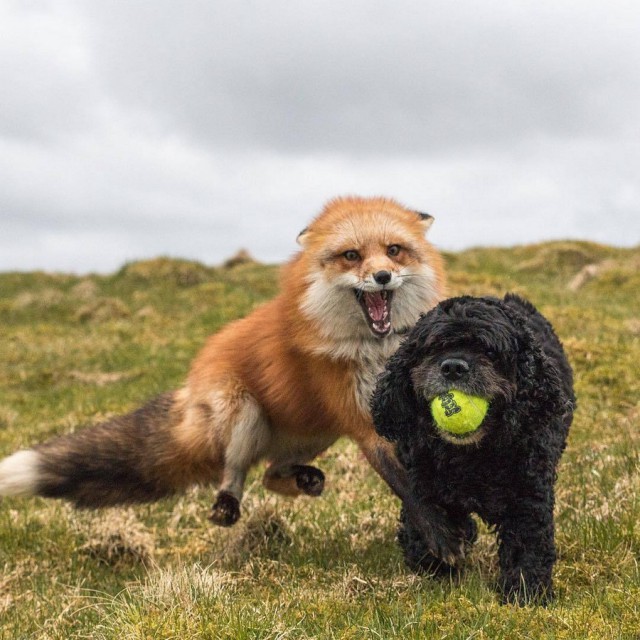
x,y
226,510
447,545
429,565
309,480
434,536
446,541
523,595
421,561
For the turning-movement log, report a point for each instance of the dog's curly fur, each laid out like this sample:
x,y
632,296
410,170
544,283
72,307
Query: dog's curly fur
x,y
505,472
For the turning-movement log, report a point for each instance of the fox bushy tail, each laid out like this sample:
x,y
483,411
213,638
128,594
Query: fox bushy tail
x,y
128,459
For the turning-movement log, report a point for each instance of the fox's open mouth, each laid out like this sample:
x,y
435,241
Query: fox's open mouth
x,y
376,306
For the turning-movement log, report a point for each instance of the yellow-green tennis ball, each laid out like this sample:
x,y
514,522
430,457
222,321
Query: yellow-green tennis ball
x,y
458,413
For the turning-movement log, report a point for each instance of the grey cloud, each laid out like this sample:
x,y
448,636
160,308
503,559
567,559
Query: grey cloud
x,y
381,77
47,90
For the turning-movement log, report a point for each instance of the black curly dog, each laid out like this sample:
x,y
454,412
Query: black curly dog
x,y
507,352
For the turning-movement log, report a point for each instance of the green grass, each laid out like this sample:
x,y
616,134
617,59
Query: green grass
x,y
77,349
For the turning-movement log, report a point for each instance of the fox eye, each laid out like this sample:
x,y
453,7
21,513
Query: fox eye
x,y
351,255
393,250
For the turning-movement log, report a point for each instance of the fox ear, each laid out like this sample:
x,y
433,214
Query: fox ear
x,y
426,219
303,236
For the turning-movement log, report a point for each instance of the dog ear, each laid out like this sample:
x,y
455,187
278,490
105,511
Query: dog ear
x,y
538,380
537,376
394,405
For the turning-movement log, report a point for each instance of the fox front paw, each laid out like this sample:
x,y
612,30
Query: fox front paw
x,y
309,480
226,510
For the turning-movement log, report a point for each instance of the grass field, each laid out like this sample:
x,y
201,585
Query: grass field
x,y
78,349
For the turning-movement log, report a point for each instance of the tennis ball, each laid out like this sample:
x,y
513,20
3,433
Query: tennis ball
x,y
457,412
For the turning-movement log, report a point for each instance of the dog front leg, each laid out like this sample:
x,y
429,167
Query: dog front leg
x,y
419,558
442,537
527,552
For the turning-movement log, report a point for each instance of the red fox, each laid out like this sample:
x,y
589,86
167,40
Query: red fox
x,y
282,384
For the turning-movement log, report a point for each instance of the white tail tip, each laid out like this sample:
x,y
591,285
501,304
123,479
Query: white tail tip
x,y
19,473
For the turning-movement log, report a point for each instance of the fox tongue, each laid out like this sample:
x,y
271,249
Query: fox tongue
x,y
376,306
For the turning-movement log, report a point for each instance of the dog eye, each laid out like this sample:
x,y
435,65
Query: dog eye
x,y
491,354
393,250
351,255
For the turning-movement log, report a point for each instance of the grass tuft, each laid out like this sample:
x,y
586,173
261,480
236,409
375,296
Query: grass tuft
x,y
116,537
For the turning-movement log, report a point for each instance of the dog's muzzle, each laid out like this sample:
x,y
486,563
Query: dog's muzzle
x,y
454,369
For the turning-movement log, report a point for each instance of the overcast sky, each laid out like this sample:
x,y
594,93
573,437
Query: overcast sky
x,y
131,128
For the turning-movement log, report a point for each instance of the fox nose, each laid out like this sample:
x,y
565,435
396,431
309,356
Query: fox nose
x,y
382,277
454,368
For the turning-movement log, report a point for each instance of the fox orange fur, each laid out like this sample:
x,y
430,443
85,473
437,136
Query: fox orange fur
x,y
281,384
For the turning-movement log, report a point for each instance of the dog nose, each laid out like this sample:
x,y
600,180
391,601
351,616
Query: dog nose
x,y
454,368
382,277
